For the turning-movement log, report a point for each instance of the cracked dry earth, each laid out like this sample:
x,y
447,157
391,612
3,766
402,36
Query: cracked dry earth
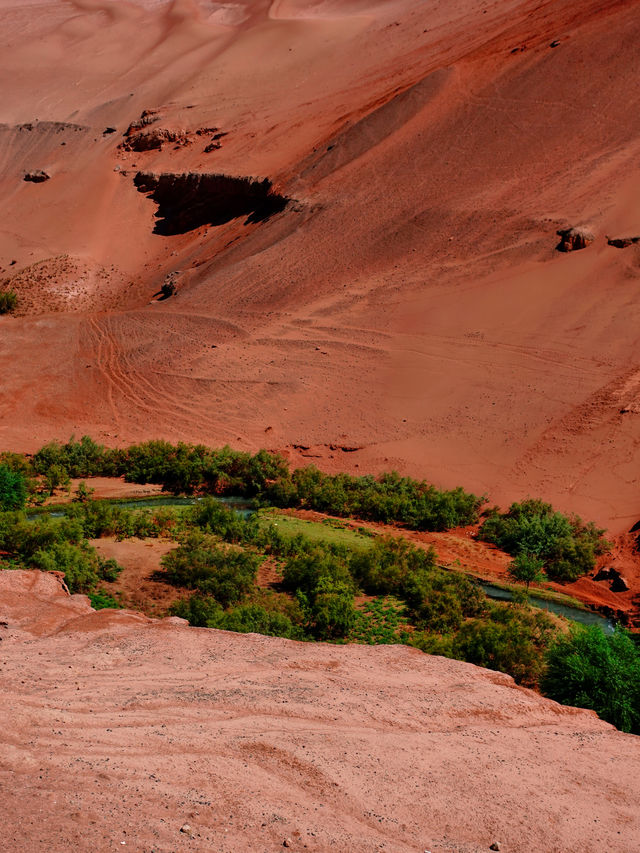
x,y
119,732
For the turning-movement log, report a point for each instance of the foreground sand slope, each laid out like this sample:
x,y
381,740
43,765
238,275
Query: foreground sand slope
x,y
407,308
118,730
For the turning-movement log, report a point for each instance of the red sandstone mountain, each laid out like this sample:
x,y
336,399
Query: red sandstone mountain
x,y
408,301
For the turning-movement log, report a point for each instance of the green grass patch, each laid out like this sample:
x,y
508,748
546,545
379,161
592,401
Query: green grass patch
x,y
381,622
101,600
327,532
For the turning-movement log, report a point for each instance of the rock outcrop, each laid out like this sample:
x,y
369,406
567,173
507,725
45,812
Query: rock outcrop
x,y
150,735
37,176
574,239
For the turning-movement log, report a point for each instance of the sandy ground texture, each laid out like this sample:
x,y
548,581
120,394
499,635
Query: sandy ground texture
x,y
407,308
120,732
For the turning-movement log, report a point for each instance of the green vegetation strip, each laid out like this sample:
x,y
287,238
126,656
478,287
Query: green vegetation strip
x,y
332,583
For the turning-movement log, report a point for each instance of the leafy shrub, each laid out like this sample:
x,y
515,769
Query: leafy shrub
x,y
13,489
512,639
591,670
330,608
83,493
81,565
227,574
390,566
432,644
567,547
8,301
388,498
83,458
101,600
254,619
56,477
101,518
206,612
200,611
526,568
23,538
439,600
109,569
302,572
186,468
211,516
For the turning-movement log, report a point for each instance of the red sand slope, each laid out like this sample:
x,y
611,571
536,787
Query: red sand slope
x,y
409,303
118,730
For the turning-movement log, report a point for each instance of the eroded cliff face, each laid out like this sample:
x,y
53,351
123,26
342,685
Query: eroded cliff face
x,y
123,731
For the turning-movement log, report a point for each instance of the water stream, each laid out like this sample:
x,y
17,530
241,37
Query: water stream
x,y
585,617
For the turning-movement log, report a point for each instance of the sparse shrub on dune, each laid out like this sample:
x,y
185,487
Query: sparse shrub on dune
x,y
8,301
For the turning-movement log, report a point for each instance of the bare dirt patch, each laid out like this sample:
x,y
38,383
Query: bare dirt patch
x,y
140,586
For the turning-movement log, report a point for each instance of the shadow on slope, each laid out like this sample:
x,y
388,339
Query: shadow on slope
x,y
187,201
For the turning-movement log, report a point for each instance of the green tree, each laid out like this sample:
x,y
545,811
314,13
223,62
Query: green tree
x,y
57,477
80,564
13,489
83,493
527,569
509,639
589,669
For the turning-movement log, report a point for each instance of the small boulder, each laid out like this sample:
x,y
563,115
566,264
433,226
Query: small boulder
x,y
495,846
186,829
37,176
574,239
